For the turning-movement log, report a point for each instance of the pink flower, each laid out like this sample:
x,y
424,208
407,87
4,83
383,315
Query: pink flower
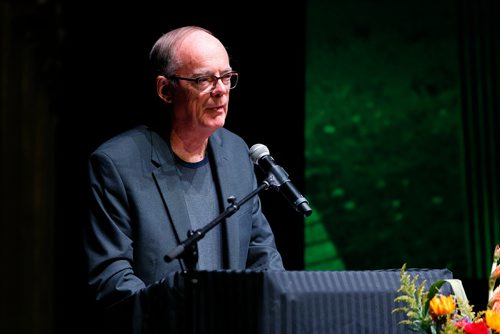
x,y
494,295
496,253
462,323
494,300
495,273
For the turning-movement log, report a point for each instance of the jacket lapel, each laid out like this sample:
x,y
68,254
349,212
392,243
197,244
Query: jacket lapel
x,y
170,188
169,185
222,170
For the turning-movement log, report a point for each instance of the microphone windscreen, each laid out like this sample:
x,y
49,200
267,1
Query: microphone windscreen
x,y
257,151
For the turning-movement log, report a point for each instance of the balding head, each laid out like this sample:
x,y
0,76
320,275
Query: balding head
x,y
166,54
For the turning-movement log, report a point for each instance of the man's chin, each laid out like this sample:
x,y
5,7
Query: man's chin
x,y
217,122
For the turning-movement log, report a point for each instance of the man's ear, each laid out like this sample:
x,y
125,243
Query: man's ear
x,y
164,88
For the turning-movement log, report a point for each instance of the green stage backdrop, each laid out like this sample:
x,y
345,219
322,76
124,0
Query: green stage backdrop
x,y
384,144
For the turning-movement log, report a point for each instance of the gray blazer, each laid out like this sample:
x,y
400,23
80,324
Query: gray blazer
x,y
138,212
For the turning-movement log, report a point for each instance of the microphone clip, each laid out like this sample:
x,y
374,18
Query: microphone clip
x,y
275,182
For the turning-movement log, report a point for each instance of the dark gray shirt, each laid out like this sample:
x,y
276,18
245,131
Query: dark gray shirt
x,y
203,206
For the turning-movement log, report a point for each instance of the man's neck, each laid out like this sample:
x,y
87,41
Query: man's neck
x,y
188,148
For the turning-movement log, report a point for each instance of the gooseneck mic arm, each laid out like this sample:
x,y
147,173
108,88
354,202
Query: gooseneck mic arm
x,y
279,179
187,248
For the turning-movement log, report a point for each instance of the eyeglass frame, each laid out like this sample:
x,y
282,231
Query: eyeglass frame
x,y
216,79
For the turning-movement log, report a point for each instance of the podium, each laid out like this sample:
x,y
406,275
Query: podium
x,y
272,302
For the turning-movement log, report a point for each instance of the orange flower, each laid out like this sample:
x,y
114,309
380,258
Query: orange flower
x,y
493,320
442,305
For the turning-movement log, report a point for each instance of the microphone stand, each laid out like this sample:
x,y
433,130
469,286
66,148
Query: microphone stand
x,y
188,249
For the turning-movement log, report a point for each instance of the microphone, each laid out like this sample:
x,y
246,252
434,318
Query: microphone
x,y
278,178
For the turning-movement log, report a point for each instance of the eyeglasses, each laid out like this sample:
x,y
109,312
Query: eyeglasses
x,y
207,83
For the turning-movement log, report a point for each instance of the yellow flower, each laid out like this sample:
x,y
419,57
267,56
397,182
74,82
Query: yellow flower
x,y
493,320
442,305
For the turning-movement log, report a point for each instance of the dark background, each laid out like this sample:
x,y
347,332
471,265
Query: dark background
x,y
73,76
106,90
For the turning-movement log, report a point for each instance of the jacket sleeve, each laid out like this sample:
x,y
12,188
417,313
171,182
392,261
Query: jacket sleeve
x,y
125,303
108,235
262,251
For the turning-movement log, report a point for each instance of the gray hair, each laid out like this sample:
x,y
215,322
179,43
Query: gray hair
x,y
163,58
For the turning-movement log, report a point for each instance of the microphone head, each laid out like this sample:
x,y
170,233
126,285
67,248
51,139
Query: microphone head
x,y
257,151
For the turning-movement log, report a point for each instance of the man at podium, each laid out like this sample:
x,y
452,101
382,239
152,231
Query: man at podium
x,y
152,185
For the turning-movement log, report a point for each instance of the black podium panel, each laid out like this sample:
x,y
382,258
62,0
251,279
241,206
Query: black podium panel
x,y
299,302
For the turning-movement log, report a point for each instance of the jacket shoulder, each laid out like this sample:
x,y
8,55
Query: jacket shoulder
x,y
126,144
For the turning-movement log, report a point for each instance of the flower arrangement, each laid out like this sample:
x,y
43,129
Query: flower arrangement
x,y
432,312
